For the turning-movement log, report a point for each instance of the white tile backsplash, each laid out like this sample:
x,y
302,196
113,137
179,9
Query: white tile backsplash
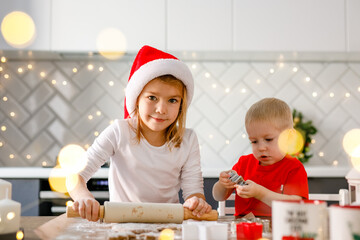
x,y
50,116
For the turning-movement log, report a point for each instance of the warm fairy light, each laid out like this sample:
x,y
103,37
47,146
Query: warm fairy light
x,y
227,142
28,156
331,94
69,203
29,66
74,70
3,59
10,215
335,163
167,234
313,141
243,135
111,43
321,154
90,117
213,85
193,66
20,70
19,235
11,156
295,69
64,83
90,67
1,69
1,144
243,90
211,136
111,83
111,122
70,158
314,94
12,114
101,69
291,141
207,75
351,143
42,74
6,76
98,113
258,81
281,65
271,70
227,90
96,133
44,164
53,82
86,146
358,89
3,128
307,79
347,94
18,29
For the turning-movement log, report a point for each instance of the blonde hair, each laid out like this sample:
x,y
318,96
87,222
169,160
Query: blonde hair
x,y
175,132
272,110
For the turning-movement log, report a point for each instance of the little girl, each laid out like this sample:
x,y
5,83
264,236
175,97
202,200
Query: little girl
x,y
152,155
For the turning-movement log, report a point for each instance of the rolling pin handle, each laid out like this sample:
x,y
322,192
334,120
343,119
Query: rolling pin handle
x,y
211,216
70,213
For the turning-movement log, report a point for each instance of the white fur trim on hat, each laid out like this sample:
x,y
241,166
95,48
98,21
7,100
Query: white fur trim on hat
x,y
154,69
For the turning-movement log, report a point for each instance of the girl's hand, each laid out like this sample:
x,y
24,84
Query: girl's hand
x,y
88,208
252,189
197,205
225,181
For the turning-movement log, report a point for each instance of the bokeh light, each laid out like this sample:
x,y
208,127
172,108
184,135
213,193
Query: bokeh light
x,y
166,234
57,179
291,141
70,157
111,43
351,143
19,235
18,29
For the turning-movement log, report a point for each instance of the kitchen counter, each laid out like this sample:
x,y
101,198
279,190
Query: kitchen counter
x,y
34,172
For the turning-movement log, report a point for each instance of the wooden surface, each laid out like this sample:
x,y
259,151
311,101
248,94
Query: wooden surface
x,y
29,224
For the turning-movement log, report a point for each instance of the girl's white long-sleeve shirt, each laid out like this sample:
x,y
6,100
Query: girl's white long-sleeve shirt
x,y
140,172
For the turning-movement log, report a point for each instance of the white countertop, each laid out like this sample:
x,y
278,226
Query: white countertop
x,y
37,172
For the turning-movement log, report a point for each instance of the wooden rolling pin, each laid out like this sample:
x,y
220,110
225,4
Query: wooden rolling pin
x,y
116,212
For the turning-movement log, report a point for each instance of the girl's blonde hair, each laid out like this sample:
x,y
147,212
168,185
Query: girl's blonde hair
x,y
272,110
175,132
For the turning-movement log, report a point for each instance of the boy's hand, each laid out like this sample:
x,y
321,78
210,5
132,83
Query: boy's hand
x,y
88,208
252,189
197,205
225,181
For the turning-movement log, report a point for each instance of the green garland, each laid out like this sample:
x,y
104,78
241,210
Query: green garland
x,y
306,129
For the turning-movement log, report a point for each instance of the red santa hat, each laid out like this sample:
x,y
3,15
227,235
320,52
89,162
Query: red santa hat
x,y
151,63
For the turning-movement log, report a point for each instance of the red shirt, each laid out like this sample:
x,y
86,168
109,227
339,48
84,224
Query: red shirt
x,y
287,176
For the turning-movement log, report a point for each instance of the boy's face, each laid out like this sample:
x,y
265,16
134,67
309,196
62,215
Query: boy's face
x,y
264,137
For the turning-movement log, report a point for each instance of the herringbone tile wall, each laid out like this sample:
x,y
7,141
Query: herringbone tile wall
x,y
46,105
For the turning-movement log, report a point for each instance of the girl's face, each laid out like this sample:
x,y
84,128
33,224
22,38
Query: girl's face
x,y
264,138
158,106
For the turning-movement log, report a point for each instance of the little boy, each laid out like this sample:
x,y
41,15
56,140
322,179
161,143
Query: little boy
x,y
270,174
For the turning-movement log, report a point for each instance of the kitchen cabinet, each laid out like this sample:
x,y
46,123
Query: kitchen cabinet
x,y
203,25
299,25
353,20
39,11
76,25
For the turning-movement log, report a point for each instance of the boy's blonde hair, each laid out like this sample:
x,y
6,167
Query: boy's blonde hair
x,y
175,132
272,110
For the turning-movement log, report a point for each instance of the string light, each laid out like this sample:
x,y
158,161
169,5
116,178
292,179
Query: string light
x,y
42,74
243,90
211,136
74,70
28,156
314,94
227,142
227,90
243,135
6,76
5,99
331,94
207,75
96,133
213,85
53,82
101,69
64,83
3,59
258,81
29,66
3,128
295,69
90,67
20,70
272,70
98,113
335,163
347,95
11,156
1,144
321,154
193,66
90,117
307,79
111,83
12,114
44,164
1,69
